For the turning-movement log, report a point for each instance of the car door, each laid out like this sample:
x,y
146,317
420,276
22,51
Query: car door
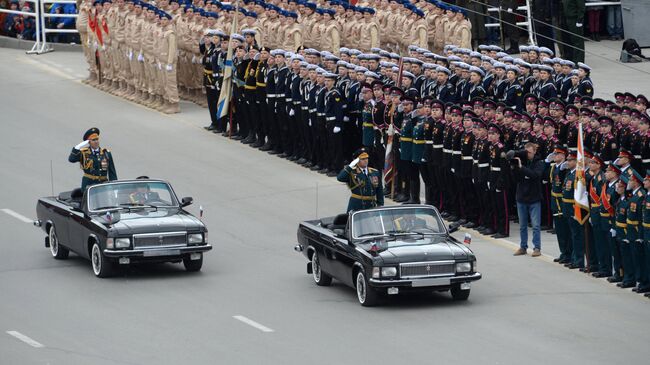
x,y
342,259
60,216
78,231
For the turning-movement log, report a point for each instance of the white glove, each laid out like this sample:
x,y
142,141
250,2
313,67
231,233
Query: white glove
x,y
354,163
563,166
579,25
488,185
81,145
130,55
291,113
612,231
88,42
346,119
549,158
140,57
336,130
310,123
509,10
159,66
169,67
391,130
193,59
103,47
95,45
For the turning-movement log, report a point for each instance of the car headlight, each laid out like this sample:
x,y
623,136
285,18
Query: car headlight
x,y
194,238
375,272
389,271
464,267
122,242
112,243
474,269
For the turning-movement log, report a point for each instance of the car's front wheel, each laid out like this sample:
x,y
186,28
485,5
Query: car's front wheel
x,y
366,295
193,265
459,294
58,252
101,266
320,278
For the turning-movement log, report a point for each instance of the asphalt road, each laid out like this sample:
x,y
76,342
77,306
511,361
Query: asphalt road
x,y
525,310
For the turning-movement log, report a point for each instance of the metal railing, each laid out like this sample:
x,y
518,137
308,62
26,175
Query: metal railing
x,y
36,14
43,46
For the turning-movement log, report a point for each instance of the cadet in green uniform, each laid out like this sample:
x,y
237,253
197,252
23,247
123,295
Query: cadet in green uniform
x,y
577,230
609,199
646,228
405,168
622,207
96,162
560,222
365,183
634,231
599,257
420,129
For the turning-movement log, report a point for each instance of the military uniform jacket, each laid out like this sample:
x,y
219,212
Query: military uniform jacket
x,y
420,128
586,87
645,224
620,220
457,147
547,90
406,137
437,139
368,123
209,78
476,91
296,93
281,90
427,156
98,166
633,220
334,108
557,178
445,93
480,161
270,88
567,194
595,187
366,190
498,167
512,95
448,145
260,81
608,198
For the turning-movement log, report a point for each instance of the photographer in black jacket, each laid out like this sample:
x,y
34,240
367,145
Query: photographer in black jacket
x,y
527,169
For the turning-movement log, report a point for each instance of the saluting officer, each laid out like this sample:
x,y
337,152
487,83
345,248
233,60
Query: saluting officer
x,y
96,162
365,183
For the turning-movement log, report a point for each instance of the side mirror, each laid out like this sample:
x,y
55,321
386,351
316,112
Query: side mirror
x,y
453,228
339,232
186,201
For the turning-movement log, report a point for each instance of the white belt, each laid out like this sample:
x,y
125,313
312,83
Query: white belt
x,y
437,146
296,103
312,110
474,160
429,142
455,152
495,169
288,99
646,160
481,165
304,108
466,158
271,95
638,157
320,114
446,150
330,118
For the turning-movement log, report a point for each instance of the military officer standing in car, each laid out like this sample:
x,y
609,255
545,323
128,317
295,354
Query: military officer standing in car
x,y
96,162
365,183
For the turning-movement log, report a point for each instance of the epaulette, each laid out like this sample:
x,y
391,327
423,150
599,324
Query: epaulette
x,y
640,193
370,169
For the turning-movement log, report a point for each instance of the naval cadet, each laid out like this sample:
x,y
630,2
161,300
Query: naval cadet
x,y
365,183
95,161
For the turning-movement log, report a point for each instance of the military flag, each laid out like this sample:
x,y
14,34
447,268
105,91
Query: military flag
x,y
226,86
389,164
581,206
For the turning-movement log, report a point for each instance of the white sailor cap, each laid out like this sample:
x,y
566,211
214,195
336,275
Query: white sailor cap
x,y
371,74
247,31
584,66
477,70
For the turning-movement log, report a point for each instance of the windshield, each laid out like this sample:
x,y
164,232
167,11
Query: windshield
x,y
404,221
131,194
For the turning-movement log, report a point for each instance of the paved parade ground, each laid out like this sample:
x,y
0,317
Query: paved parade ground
x,y
253,302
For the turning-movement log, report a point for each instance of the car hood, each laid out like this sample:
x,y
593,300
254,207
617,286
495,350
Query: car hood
x,y
147,221
419,250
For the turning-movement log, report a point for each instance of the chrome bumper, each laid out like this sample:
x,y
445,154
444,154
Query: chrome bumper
x,y
426,282
157,252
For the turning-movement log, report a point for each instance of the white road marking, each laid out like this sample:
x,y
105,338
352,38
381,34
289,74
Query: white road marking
x,y
252,323
17,216
25,339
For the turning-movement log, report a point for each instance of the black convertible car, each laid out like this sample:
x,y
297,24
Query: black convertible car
x,y
123,222
387,250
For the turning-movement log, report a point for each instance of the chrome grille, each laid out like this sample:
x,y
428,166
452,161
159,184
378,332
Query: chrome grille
x,y
160,239
427,269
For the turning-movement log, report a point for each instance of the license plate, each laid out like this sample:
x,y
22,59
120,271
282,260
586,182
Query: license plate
x,y
154,253
393,291
195,256
430,282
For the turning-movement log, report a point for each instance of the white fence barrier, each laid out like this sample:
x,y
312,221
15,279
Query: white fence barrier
x,y
36,14
43,47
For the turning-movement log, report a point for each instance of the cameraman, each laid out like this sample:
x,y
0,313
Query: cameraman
x,y
527,169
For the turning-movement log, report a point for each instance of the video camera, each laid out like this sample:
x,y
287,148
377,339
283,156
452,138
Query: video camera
x,y
512,154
